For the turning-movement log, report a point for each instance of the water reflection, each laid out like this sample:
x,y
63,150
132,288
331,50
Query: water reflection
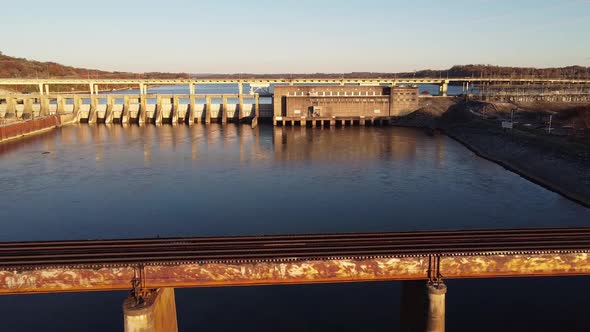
x,y
114,181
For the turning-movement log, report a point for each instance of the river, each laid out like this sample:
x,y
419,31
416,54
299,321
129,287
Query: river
x,y
99,181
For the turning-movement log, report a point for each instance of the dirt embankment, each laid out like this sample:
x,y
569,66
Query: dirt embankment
x,y
559,162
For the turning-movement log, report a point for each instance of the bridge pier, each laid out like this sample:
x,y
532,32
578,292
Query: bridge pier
x,y
156,313
208,110
44,106
175,109
190,112
422,308
143,109
435,321
125,114
240,107
444,88
224,110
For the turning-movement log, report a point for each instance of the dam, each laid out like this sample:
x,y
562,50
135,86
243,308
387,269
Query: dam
x,y
294,101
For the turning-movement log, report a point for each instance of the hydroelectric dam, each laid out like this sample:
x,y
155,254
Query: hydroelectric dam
x,y
297,101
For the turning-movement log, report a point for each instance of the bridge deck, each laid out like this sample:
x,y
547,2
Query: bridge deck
x,y
283,80
294,247
291,259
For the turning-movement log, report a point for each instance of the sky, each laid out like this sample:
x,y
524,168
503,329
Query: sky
x,y
296,36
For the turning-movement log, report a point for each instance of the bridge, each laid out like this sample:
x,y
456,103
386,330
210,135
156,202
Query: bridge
x,y
152,268
142,84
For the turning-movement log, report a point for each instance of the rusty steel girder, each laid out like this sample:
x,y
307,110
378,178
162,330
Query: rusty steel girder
x,y
90,278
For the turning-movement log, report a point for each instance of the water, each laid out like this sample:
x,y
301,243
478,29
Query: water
x,y
120,182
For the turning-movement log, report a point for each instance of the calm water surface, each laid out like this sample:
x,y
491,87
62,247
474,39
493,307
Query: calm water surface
x,y
121,182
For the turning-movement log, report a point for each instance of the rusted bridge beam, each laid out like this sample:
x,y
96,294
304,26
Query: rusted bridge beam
x,y
179,275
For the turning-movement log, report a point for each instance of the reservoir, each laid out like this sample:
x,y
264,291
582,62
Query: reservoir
x,y
112,181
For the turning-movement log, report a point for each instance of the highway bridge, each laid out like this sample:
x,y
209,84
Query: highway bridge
x,y
151,268
142,84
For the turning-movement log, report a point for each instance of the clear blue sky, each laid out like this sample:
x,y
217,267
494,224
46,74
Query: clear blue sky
x,y
264,36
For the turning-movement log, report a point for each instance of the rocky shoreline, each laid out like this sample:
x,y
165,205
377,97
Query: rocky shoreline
x,y
552,162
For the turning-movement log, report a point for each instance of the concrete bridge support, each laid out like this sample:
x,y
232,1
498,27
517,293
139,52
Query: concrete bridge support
x,y
44,106
208,110
159,115
143,109
126,114
435,321
93,115
28,108
77,106
191,112
444,88
224,110
240,107
175,109
157,313
60,105
422,307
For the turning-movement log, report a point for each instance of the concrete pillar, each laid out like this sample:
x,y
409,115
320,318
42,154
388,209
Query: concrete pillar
x,y
93,116
224,110
191,88
91,88
156,314
46,89
159,113
44,109
143,109
422,308
436,308
40,88
10,105
60,105
240,88
28,107
190,112
96,89
125,115
174,109
77,103
362,121
256,105
241,107
207,110
444,88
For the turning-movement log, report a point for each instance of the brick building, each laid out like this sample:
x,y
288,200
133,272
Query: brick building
x,y
344,101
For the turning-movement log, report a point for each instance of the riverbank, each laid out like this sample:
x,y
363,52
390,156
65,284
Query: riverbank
x,y
562,172
557,163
